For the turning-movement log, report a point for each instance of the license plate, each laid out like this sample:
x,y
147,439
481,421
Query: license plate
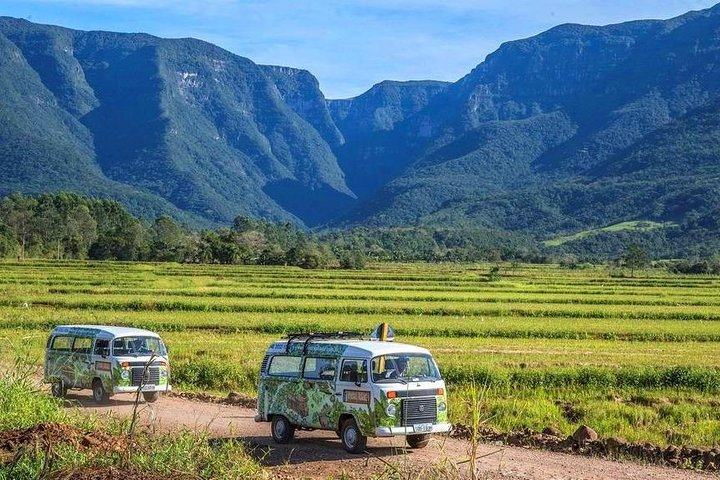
x,y
423,428
148,388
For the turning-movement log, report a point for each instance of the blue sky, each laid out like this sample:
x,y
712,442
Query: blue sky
x,y
348,45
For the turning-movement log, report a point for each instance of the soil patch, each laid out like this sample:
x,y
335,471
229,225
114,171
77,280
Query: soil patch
x,y
45,435
613,448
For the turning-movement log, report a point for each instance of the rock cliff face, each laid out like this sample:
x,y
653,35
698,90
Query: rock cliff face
x,y
578,127
301,91
369,157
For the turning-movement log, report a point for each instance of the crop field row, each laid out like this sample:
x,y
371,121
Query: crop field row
x,y
636,356
34,317
358,294
275,305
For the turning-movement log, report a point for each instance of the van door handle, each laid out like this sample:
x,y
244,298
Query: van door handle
x,y
338,394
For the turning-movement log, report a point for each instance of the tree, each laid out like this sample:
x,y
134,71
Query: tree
x,y
50,222
169,241
352,259
635,258
8,246
126,239
17,211
80,231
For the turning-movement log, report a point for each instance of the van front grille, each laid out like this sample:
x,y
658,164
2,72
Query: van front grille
x,y
419,410
153,376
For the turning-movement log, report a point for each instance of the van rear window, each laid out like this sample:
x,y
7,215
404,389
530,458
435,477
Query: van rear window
x,y
284,366
83,345
62,343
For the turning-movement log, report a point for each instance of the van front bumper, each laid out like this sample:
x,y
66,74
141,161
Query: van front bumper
x,y
147,388
393,431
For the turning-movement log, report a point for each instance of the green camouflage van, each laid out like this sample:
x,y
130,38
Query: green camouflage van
x,y
108,360
357,388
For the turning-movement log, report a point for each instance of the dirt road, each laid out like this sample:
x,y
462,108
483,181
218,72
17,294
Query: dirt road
x,y
320,455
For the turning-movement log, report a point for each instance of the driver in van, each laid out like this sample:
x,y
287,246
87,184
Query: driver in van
x,y
402,365
395,368
138,346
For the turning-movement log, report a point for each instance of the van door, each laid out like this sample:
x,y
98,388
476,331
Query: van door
x,y
101,363
58,362
82,369
283,393
354,391
319,390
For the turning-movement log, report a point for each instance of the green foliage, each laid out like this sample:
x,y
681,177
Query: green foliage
x,y
635,258
67,225
23,406
695,267
215,375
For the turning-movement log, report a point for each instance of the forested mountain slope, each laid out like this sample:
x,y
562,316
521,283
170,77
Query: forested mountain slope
x,y
574,129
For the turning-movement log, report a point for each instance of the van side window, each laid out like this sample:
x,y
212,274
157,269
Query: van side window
x,y
285,366
120,347
82,345
102,347
62,343
319,368
354,371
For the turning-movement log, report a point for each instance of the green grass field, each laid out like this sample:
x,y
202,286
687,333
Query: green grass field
x,y
635,225
634,357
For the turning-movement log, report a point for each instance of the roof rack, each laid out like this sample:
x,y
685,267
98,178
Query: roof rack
x,y
310,336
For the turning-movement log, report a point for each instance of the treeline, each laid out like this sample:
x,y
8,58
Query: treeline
x,y
71,226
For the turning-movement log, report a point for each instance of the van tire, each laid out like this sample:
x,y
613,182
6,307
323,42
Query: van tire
x,y
351,437
418,441
100,395
282,430
58,389
151,397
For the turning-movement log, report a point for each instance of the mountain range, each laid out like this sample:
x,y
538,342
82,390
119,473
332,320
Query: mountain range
x,y
575,129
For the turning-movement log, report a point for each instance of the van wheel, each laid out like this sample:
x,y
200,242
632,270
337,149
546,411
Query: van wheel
x,y
58,389
99,393
351,437
282,431
151,397
418,441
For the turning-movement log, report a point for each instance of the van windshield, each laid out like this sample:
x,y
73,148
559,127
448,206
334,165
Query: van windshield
x,y
403,368
138,346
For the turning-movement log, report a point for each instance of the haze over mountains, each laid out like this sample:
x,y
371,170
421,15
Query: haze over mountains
x,y
577,128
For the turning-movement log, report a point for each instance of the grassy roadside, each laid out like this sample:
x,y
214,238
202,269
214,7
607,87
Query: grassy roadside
x,y
41,439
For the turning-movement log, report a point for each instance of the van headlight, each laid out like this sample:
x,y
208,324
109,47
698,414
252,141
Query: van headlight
x,y
163,372
125,374
442,407
391,410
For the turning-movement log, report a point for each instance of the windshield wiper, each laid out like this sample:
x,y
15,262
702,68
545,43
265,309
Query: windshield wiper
x,y
392,380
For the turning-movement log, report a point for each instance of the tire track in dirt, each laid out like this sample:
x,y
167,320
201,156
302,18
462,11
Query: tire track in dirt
x,y
319,454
